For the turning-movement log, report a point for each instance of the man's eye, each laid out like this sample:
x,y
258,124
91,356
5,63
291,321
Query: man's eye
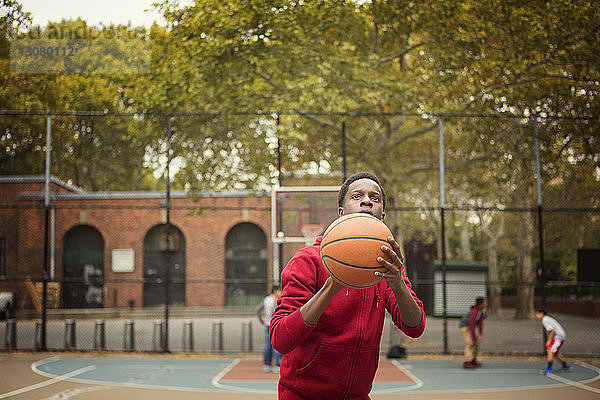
x,y
375,198
356,196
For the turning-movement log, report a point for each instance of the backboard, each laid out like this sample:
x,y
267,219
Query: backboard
x,y
301,213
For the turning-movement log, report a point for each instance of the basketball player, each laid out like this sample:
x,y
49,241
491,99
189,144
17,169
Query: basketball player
x,y
556,338
329,335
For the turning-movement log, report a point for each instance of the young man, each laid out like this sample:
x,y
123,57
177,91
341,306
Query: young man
x,y
469,323
329,335
264,313
556,338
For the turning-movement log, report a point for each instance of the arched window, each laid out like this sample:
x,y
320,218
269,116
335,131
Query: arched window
x,y
162,264
245,265
83,268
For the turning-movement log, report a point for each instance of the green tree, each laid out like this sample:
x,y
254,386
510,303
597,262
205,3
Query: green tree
x,y
517,58
90,150
386,69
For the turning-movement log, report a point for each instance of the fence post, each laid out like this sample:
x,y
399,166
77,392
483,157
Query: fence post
x,y
37,336
217,336
46,267
443,232
70,337
128,336
538,180
10,335
99,335
247,336
167,229
188,335
157,335
344,152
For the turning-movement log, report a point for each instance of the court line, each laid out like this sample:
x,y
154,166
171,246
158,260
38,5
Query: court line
x,y
502,389
69,393
215,381
417,382
590,366
147,385
578,384
48,382
217,385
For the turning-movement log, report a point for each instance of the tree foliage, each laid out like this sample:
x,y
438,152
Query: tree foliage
x,y
233,78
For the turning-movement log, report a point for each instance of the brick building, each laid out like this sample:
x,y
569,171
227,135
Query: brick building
x,y
109,249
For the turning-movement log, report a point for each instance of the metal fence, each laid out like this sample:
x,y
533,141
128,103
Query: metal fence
x,y
514,197
235,329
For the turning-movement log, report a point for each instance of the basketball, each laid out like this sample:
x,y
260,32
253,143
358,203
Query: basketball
x,y
350,247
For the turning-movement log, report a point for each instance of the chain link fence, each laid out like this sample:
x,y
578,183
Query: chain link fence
x,y
142,232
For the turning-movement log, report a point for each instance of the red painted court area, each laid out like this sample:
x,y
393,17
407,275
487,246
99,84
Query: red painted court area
x,y
251,370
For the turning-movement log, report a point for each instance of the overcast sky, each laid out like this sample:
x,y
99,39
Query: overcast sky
x,y
94,12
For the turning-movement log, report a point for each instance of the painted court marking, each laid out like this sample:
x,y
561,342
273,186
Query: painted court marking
x,y
417,383
246,375
69,393
216,381
443,377
48,382
580,385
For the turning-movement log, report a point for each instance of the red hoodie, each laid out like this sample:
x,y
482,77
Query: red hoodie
x,y
472,319
336,358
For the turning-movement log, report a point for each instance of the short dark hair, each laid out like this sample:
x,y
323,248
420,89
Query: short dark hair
x,y
541,311
479,300
275,288
353,178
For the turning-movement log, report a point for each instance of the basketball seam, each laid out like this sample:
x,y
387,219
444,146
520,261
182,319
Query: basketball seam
x,y
346,283
350,265
348,217
353,238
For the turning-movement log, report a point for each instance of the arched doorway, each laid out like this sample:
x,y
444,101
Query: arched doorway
x,y
162,265
83,263
245,265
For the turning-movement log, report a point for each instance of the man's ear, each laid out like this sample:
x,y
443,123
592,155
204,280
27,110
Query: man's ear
x,y
340,211
382,215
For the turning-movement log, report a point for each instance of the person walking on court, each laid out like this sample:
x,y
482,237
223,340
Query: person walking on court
x,y
265,312
556,338
329,334
469,323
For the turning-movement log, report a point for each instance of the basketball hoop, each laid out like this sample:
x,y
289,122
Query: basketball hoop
x,y
310,232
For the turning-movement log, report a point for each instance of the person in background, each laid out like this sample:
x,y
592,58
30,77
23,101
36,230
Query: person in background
x,y
469,323
265,311
556,338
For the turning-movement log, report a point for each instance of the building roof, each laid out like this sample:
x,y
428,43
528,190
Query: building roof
x,y
40,179
81,194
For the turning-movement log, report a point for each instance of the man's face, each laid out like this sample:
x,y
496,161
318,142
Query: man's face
x,y
364,195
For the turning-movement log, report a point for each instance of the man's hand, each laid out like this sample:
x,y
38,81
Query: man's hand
x,y
393,276
410,312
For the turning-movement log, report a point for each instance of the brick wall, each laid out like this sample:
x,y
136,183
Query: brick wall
x,y
123,223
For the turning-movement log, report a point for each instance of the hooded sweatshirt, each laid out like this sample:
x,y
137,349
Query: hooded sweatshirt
x,y
337,357
474,318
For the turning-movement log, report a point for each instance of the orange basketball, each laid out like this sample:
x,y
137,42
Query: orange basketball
x,y
350,247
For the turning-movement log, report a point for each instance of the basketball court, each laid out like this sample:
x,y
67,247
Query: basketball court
x,y
73,376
